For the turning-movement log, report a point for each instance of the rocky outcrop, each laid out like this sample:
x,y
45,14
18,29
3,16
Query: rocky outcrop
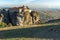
x,y
20,16
35,17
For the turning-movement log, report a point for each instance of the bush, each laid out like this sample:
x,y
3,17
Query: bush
x,y
9,24
2,24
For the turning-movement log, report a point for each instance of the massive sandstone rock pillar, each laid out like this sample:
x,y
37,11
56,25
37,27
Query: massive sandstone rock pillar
x,y
35,17
27,18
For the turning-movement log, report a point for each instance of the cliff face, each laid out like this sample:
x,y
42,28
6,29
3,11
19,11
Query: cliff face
x,y
10,16
15,17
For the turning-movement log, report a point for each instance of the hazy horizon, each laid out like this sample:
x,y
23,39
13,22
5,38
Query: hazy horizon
x,y
31,3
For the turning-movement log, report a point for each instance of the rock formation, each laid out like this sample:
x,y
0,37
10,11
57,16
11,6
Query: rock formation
x,y
20,16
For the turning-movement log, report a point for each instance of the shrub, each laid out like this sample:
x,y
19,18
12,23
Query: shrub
x,y
9,24
2,24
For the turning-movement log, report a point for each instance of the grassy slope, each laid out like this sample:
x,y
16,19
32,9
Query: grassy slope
x,y
31,32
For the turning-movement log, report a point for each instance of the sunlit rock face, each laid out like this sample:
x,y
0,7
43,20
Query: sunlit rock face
x,y
25,13
1,18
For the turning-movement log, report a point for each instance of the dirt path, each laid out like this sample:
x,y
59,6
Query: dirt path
x,y
27,26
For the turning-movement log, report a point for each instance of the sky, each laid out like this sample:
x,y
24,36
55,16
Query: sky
x,y
31,3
